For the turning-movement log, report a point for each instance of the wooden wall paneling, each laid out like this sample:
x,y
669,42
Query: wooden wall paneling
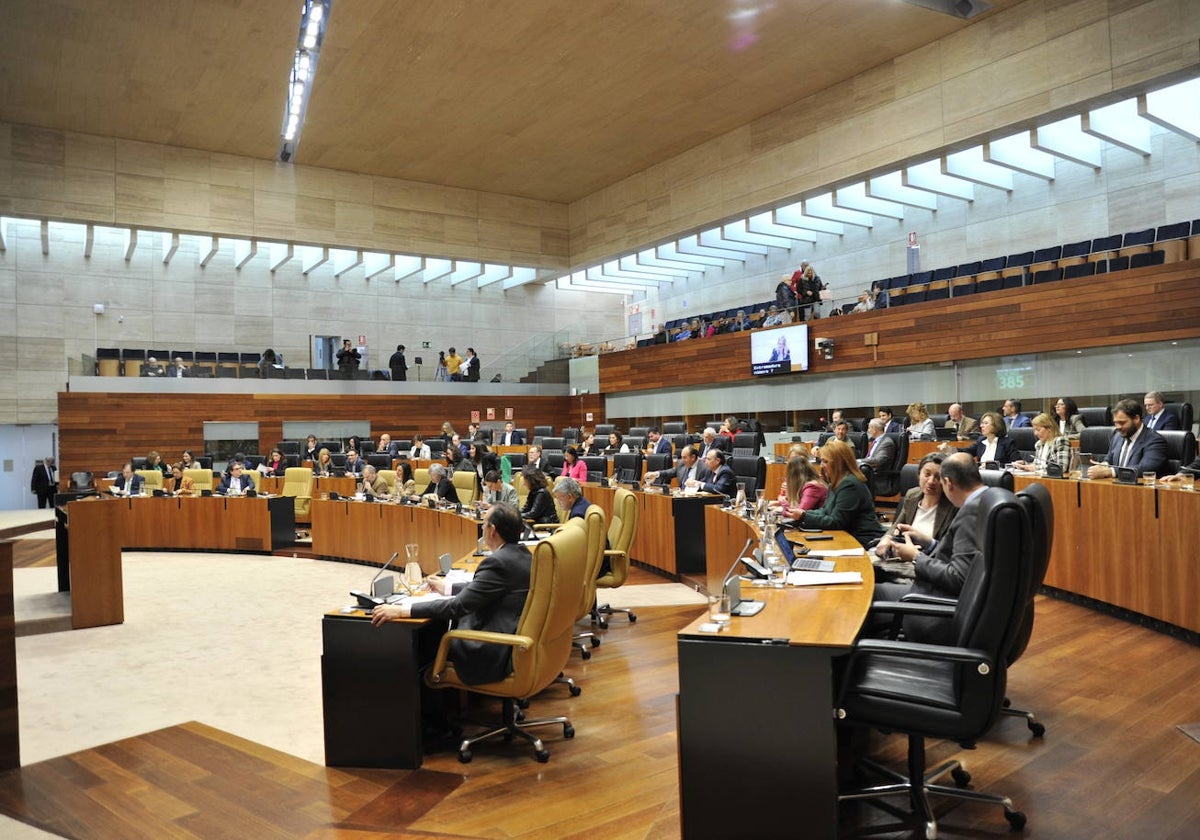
x,y
1025,320
100,431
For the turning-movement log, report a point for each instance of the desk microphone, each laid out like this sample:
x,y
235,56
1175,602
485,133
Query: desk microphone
x,y
371,601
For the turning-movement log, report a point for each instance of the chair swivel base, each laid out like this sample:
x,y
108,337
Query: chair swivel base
x,y
1035,726
562,678
918,794
601,613
577,643
511,726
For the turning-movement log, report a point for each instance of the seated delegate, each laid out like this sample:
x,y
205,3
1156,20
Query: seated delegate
x,y
237,483
1135,446
850,506
1051,447
128,483
802,489
994,444
720,478
539,506
925,509
440,487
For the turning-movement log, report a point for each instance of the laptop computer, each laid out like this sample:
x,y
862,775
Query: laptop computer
x,y
801,564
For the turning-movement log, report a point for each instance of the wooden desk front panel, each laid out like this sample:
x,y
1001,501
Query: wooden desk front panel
x,y
203,523
94,540
654,542
371,532
1129,546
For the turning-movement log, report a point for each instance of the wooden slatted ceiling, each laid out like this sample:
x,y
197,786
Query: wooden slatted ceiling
x,y
1067,315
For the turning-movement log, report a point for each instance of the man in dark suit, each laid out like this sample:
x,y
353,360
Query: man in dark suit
x,y
689,466
511,436
720,479
659,445
881,449
941,566
398,365
237,482
1013,418
889,423
470,366
128,483
492,601
1134,446
42,483
711,440
1156,416
177,369
152,368
354,463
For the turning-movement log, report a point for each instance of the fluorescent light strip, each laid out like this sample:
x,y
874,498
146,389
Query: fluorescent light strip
x,y
313,20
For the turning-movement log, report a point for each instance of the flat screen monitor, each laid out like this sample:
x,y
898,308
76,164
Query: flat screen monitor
x,y
780,350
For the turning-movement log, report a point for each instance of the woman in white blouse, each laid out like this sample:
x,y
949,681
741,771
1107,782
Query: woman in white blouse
x,y
994,443
919,424
1052,446
420,449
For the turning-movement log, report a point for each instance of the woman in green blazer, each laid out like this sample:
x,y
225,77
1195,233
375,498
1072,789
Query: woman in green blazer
x,y
849,506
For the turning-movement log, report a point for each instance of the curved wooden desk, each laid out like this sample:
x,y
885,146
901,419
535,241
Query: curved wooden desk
x,y
1126,545
98,528
670,533
369,532
756,701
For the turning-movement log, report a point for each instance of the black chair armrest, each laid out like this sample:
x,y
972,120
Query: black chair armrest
x,y
923,598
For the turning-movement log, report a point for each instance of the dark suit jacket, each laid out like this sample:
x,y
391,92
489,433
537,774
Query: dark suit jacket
x,y
1006,450
663,447
721,442
893,426
1018,421
681,471
723,481
493,600
944,572
398,366
135,484
42,482
883,454
1149,452
517,439
470,369
247,483
1166,422
539,506
444,489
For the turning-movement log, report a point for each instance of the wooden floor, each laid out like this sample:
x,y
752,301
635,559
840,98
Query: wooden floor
x,y
1112,765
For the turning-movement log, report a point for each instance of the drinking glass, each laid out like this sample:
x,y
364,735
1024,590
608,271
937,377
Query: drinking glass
x,y
1187,482
779,571
719,609
412,571
1149,478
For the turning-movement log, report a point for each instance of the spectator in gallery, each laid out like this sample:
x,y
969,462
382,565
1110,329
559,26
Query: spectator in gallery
x,y
398,365
348,359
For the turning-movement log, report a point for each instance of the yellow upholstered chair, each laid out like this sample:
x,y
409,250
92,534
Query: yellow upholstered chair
x,y
464,485
201,479
518,483
421,478
540,646
389,478
621,532
152,478
595,523
298,483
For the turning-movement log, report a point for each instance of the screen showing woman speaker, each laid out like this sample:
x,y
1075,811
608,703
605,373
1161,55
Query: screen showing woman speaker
x,y
781,350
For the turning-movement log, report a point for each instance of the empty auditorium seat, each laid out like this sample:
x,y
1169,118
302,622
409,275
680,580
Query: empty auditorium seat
x,y
1084,269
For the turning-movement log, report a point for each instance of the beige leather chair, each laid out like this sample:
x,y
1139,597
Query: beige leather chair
x,y
298,483
621,533
201,479
464,485
389,478
421,478
595,523
540,646
153,479
518,483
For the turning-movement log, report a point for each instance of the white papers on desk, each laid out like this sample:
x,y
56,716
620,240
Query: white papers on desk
x,y
836,552
822,578
459,576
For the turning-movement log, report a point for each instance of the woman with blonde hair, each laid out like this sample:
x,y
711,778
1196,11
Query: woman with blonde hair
x,y
1052,446
920,426
323,466
801,490
849,505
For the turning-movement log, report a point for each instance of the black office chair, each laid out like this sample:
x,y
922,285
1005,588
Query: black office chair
x,y
603,430
885,479
952,692
552,444
638,431
655,463
674,428
380,460
997,478
1024,439
554,460
1181,450
1183,411
436,447
332,445
751,471
517,460
910,475
543,432
745,443
1096,441
628,467
1096,416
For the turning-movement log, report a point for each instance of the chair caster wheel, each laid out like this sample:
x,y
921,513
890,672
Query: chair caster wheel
x,y
961,777
586,654
568,731
542,756
523,704
464,756
603,623
632,618
595,641
1016,819
574,690
1037,729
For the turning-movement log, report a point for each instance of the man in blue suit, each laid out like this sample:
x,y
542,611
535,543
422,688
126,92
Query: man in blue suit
x,y
1013,418
128,483
659,445
511,437
1135,446
721,478
890,424
1156,416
